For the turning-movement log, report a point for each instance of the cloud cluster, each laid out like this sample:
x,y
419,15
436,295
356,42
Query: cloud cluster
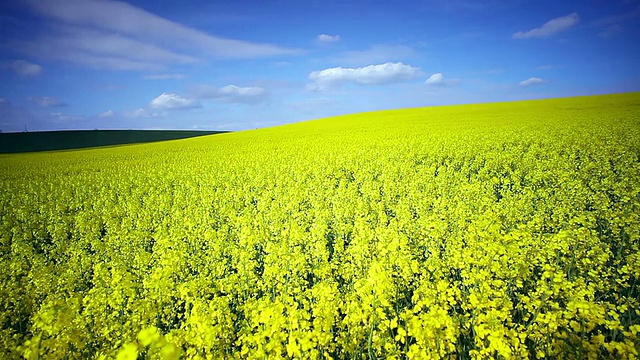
x,y
550,28
144,113
166,77
231,93
532,81
62,118
376,54
106,114
170,101
115,35
232,90
46,101
324,38
26,68
610,31
386,73
435,79
165,103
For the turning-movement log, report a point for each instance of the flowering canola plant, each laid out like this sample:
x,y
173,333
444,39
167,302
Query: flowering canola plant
x,y
506,230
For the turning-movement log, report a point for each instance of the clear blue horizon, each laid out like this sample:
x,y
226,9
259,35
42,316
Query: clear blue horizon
x,y
101,64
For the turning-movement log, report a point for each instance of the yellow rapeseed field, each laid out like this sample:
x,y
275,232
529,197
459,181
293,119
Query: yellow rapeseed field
x,y
507,230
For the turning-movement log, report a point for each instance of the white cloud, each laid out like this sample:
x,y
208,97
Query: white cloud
x,y
26,68
59,118
324,38
46,101
531,81
140,112
119,36
610,31
106,114
551,27
232,90
143,113
617,19
376,54
386,73
170,101
166,77
231,93
435,79
101,50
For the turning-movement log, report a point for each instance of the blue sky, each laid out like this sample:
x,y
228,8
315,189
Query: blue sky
x,y
232,65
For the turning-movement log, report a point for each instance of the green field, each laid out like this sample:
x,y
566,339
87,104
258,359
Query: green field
x,y
64,140
505,230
